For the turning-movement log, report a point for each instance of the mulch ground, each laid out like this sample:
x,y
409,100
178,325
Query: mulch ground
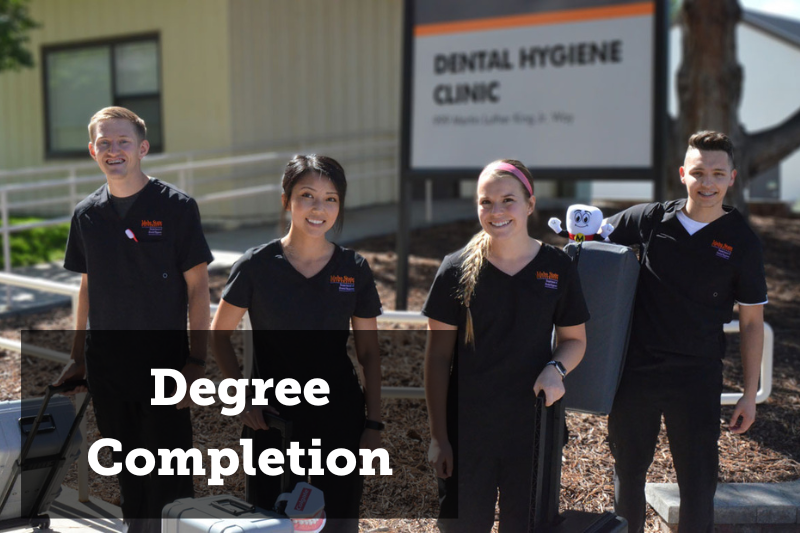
x,y
769,452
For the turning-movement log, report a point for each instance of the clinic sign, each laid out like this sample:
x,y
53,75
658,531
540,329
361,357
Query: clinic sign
x,y
560,85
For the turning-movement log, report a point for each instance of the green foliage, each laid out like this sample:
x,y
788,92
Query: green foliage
x,y
36,245
15,23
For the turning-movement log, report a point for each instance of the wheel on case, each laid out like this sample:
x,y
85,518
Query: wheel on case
x,y
42,522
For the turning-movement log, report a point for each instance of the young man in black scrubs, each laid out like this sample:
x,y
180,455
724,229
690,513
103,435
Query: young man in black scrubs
x,y
702,258
140,247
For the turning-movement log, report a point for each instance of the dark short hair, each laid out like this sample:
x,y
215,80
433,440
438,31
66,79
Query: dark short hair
x,y
712,141
300,165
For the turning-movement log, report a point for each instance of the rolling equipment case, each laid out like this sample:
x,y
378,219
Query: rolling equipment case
x,y
549,426
298,510
218,514
39,440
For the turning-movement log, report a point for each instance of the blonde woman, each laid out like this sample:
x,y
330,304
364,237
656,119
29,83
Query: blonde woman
x,y
491,312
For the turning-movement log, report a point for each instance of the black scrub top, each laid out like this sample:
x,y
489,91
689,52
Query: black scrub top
x,y
279,297
689,284
300,325
136,284
513,319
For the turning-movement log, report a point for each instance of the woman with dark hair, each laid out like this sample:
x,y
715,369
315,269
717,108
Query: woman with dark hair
x,y
491,309
303,292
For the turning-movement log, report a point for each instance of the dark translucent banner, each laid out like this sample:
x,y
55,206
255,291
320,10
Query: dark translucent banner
x,y
148,454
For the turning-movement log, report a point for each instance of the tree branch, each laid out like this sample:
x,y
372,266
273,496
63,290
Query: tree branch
x,y
767,148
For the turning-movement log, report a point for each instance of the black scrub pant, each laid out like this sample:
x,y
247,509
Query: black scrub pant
x,y
467,498
686,390
140,425
492,452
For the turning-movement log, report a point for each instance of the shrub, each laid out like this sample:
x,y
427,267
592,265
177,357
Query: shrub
x,y
36,245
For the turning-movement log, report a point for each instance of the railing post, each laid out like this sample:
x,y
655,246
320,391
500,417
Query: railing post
x,y
428,201
189,189
6,231
73,187
182,180
6,242
83,459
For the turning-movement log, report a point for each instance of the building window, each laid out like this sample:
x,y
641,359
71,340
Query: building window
x,y
81,79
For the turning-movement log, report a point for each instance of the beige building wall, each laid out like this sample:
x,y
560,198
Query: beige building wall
x,y
239,76
312,70
194,70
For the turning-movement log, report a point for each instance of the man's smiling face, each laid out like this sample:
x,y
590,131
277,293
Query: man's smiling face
x,y
707,174
117,149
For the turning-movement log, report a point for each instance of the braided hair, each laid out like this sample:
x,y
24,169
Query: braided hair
x,y
476,253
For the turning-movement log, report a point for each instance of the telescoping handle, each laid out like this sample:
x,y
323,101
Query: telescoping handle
x,y
66,386
285,427
546,467
281,424
31,435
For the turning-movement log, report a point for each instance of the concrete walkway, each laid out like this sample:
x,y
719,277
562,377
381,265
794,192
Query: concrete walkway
x,y
228,246
750,507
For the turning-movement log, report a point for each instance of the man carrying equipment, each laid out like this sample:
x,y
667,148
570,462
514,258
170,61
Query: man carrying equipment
x,y
702,257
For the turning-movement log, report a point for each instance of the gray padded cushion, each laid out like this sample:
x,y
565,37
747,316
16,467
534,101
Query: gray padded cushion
x,y
609,274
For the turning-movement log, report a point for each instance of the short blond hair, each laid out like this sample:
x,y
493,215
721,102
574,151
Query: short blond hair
x,y
108,113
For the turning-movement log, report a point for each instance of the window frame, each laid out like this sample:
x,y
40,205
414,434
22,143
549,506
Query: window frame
x,y
111,43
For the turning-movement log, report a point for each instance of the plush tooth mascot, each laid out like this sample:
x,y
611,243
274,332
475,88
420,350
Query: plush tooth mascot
x,y
584,223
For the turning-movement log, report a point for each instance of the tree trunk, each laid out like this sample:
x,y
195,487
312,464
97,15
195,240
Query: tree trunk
x,y
709,85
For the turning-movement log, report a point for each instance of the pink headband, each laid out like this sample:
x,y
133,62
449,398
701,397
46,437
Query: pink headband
x,y
508,167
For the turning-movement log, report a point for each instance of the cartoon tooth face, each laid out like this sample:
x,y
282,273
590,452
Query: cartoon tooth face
x,y
581,218
585,219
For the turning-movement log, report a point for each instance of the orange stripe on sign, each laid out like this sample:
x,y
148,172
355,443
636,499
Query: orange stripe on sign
x,y
536,19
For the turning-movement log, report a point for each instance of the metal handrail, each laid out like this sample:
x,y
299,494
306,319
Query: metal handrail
x,y
75,166
195,154
185,177
417,318
170,168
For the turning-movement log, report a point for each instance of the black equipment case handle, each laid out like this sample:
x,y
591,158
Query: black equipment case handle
x,y
548,439
285,427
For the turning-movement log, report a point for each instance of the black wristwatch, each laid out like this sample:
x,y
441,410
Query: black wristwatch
x,y
371,424
559,368
196,361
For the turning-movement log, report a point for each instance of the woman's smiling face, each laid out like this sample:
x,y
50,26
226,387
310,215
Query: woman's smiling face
x,y
314,204
503,206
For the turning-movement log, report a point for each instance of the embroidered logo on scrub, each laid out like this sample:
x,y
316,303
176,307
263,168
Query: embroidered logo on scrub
x,y
723,250
155,228
346,283
550,279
